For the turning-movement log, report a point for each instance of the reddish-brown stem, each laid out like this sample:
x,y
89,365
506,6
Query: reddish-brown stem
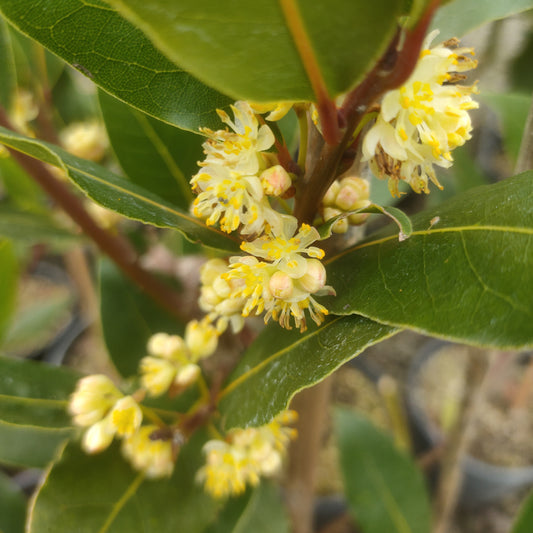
x,y
115,247
392,69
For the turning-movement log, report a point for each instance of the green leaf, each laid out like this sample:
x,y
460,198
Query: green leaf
x,y
279,363
129,319
35,394
7,67
30,446
12,506
8,283
119,194
156,156
466,272
249,512
113,498
524,520
458,17
97,41
512,109
33,228
248,49
33,411
384,488
33,327
265,502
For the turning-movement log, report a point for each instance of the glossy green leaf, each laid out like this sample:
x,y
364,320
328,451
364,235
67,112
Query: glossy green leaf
x,y
460,16
102,45
33,411
102,493
155,155
33,228
12,506
7,67
35,394
30,446
280,363
512,110
129,319
247,49
465,273
524,520
8,283
264,513
119,194
260,511
384,488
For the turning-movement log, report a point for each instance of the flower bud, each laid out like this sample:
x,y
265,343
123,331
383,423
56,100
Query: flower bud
x,y
201,339
281,285
211,270
341,226
315,277
157,375
93,398
331,194
221,287
85,139
275,180
187,375
167,346
98,437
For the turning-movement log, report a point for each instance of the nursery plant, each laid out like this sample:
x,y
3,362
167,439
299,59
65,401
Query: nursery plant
x,y
271,144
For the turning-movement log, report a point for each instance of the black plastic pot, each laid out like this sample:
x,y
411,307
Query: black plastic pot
x,y
482,482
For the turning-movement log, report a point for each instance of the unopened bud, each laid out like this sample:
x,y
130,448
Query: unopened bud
x,y
167,346
98,437
341,226
281,285
201,339
331,194
275,180
156,375
211,270
315,276
187,375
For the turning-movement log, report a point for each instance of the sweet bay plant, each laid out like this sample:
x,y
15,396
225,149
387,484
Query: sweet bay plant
x,y
201,102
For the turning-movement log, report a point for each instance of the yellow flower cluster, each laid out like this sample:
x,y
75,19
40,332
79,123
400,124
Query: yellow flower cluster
x,y
172,363
245,455
237,175
275,277
424,120
100,407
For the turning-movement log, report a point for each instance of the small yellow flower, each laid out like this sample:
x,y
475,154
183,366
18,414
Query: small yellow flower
x,y
150,451
240,149
245,456
279,284
126,416
424,120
